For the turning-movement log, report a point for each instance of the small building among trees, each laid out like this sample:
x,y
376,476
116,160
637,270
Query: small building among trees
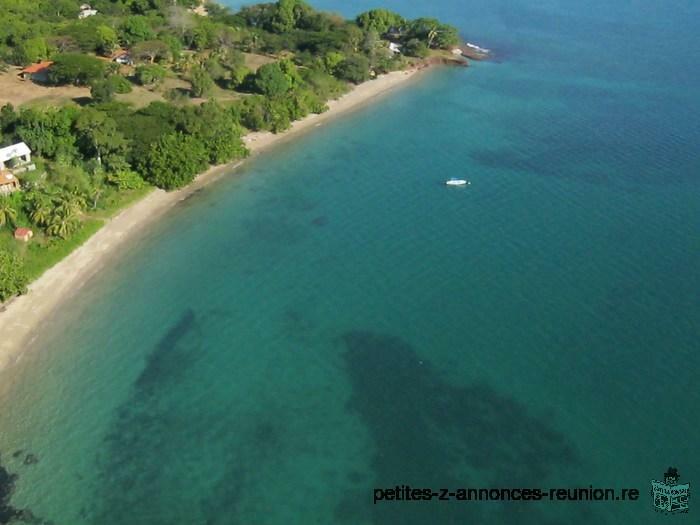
x,y
8,183
38,72
123,58
86,10
23,234
15,156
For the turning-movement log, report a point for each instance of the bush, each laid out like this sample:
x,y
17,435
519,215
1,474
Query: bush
x,y
151,74
201,81
13,278
119,84
416,48
177,95
102,91
354,69
126,180
271,81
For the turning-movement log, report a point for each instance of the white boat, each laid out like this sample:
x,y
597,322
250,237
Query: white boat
x,y
457,182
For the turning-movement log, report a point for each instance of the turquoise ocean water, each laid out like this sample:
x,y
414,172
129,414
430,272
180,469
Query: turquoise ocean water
x,y
334,319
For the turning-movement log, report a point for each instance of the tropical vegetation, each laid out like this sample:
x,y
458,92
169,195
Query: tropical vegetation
x,y
210,78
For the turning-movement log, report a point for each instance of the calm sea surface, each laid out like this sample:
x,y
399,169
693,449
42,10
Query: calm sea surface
x,y
334,319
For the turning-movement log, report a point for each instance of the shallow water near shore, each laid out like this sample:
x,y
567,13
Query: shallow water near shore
x,y
336,320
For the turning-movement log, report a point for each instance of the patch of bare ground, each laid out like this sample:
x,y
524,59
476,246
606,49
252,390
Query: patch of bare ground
x,y
254,61
16,91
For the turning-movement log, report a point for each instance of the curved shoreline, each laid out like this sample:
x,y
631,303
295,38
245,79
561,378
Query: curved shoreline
x,y
23,317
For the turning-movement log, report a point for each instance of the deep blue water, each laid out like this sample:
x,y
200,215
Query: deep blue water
x,y
333,319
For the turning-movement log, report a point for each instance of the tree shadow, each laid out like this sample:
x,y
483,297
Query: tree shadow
x,y
83,101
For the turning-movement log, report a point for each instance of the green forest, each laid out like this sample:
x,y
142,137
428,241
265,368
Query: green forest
x,y
97,154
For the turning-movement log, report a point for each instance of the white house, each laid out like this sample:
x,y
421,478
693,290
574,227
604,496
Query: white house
x,y
123,58
394,48
15,155
86,10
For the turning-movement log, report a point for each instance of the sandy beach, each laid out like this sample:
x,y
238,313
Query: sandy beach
x,y
22,318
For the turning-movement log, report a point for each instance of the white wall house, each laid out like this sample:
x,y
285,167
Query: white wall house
x,y
394,48
15,155
86,10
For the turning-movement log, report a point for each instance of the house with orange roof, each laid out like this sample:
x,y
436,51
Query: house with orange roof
x,y
38,72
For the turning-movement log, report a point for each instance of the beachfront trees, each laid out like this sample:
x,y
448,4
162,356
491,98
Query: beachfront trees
x,y
40,207
63,221
126,180
13,278
380,20
271,81
354,68
416,48
434,33
218,128
174,160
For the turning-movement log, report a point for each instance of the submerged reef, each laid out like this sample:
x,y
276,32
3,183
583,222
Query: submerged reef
x,y
429,432
8,513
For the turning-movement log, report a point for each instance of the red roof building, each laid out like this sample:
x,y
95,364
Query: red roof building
x,y
37,71
23,234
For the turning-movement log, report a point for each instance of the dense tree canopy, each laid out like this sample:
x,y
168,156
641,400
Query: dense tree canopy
x,y
354,68
76,68
380,20
271,81
174,160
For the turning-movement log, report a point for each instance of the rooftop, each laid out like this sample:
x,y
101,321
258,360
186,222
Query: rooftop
x,y
6,178
36,68
16,150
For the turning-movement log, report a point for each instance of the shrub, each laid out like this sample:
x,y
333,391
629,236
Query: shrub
x,y
151,74
354,69
119,84
102,91
126,180
13,278
201,81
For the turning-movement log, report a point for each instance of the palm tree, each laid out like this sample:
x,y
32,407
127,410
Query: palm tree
x,y
95,195
62,223
432,35
70,203
41,209
8,214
